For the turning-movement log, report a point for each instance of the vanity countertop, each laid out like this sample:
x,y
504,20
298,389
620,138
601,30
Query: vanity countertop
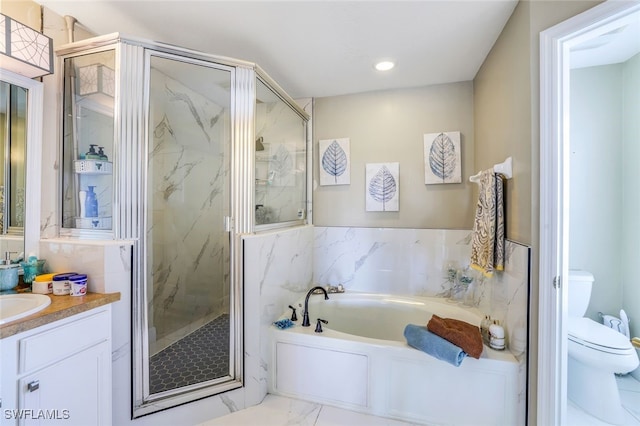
x,y
60,307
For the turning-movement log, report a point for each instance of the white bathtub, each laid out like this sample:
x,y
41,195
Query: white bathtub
x,y
361,362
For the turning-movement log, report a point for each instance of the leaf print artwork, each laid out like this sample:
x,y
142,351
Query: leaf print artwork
x,y
382,187
334,160
442,158
335,163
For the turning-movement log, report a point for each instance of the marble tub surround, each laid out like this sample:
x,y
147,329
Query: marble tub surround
x,y
60,307
277,271
414,261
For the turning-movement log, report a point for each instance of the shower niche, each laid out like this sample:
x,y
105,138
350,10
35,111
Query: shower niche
x,y
181,152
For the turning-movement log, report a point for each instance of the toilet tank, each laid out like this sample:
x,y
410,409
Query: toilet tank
x,y
579,292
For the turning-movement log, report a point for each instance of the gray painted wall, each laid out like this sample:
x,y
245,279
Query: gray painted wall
x,y
388,126
605,187
595,229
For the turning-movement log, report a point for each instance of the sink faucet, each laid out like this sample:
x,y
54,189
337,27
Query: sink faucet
x,y
305,315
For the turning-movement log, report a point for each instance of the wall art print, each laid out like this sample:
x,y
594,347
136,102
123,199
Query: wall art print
x,y
382,187
335,162
442,158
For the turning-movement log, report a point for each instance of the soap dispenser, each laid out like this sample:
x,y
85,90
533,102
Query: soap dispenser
x,y
101,154
92,154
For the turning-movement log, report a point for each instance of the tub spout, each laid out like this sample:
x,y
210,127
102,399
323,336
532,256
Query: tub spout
x,y
305,315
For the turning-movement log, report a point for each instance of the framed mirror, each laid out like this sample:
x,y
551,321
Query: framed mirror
x,y
21,109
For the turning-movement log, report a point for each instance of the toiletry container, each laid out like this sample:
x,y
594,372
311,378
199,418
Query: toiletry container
x,y
92,154
42,284
91,203
61,283
496,333
103,156
8,277
78,285
32,268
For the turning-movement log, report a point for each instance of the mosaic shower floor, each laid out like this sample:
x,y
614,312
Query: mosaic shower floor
x,y
200,356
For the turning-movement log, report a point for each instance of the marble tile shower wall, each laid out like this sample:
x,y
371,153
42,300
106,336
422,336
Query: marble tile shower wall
x,y
187,169
411,262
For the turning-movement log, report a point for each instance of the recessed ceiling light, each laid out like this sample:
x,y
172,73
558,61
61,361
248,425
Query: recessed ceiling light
x,y
384,65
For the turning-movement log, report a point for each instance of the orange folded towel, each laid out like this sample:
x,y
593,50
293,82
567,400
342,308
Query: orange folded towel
x,y
462,334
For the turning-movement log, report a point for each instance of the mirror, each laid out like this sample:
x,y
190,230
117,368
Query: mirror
x,y
13,144
20,143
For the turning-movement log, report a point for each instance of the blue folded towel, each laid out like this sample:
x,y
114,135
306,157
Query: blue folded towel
x,y
420,338
283,323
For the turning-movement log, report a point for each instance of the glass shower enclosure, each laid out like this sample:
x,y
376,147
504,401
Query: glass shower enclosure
x,y
163,146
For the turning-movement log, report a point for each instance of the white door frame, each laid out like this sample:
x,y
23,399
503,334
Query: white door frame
x,y
555,45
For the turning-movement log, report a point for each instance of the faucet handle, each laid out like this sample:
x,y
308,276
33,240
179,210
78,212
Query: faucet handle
x,y
294,317
319,325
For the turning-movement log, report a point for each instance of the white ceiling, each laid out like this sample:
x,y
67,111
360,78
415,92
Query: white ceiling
x,y
316,48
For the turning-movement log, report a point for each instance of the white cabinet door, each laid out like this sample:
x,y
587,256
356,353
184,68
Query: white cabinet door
x,y
76,390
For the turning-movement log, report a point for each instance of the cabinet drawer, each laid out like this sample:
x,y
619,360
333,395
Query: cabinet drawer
x,y
53,345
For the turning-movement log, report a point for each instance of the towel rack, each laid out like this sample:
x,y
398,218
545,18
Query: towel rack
x,y
505,169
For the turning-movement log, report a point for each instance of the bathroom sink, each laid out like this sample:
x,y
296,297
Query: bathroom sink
x,y
15,306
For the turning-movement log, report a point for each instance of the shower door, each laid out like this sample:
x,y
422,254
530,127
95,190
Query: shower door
x,y
186,248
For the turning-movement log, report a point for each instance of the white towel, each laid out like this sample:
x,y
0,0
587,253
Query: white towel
x,y
487,249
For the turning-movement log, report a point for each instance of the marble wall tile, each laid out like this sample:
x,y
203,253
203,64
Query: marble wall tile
x,y
277,272
412,262
13,245
384,260
187,170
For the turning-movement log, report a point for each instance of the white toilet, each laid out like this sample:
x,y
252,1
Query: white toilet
x,y
596,352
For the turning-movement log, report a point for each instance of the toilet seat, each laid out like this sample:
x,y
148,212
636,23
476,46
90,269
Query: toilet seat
x,y
591,334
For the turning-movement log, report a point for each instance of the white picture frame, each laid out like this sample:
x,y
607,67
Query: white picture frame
x,y
382,187
442,160
334,161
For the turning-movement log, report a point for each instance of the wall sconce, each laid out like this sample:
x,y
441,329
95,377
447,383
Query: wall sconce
x,y
23,50
96,79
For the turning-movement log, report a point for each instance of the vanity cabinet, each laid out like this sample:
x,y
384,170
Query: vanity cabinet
x,y
59,373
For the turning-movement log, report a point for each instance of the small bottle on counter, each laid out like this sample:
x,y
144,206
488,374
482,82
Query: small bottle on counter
x,y
497,336
484,329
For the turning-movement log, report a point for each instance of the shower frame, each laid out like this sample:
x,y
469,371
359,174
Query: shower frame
x,y
131,139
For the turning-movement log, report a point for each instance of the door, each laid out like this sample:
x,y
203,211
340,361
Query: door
x,y
189,345
556,44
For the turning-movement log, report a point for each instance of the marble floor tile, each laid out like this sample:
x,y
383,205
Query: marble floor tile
x,y
332,416
630,397
281,411
273,411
